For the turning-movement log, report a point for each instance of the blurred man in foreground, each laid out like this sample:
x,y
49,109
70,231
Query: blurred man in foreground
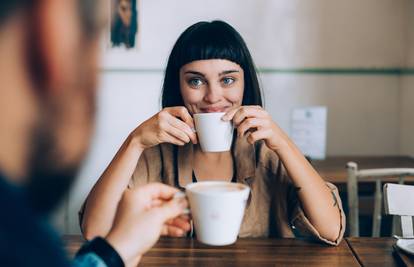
x,y
48,68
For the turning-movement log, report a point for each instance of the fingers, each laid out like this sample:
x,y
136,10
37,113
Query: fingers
x,y
177,226
230,114
251,123
173,139
177,122
256,124
247,118
176,136
182,130
252,137
173,231
248,112
238,114
157,191
171,209
182,113
181,221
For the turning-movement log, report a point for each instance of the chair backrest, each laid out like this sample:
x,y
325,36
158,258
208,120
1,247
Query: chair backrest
x,y
399,200
373,175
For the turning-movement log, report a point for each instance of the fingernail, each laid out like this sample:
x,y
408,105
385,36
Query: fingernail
x,y
193,130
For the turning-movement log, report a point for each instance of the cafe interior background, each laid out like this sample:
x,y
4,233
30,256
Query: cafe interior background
x,y
355,58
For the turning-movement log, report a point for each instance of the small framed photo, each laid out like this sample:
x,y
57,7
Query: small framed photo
x,y
124,26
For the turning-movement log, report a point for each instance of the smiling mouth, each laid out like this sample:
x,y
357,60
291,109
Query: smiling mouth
x,y
214,109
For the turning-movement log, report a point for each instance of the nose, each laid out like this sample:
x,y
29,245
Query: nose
x,y
213,94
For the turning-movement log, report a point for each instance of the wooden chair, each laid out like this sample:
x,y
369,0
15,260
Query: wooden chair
x,y
399,200
374,175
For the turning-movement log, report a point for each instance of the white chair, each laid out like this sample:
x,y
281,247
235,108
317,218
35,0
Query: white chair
x,y
374,175
399,200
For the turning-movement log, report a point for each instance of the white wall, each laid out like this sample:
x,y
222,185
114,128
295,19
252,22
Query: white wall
x,y
363,112
281,34
125,101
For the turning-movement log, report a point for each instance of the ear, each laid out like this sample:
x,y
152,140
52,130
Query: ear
x,y
58,38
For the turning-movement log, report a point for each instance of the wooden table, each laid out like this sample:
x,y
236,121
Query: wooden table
x,y
245,252
378,252
333,169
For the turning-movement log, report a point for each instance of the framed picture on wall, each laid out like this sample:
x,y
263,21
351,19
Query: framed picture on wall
x,y
121,43
124,25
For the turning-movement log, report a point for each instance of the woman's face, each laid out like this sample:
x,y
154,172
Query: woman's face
x,y
125,12
212,85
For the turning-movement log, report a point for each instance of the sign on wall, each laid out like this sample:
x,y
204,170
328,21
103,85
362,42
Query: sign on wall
x,y
308,130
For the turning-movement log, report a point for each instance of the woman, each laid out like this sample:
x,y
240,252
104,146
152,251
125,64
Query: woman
x,y
210,70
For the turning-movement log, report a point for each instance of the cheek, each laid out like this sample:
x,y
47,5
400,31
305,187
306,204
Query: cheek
x,y
193,98
191,102
235,96
190,96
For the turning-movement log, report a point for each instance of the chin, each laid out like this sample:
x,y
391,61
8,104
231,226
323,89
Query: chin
x,y
49,178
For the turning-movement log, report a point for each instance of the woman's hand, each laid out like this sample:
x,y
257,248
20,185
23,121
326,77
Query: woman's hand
x,y
257,124
315,197
171,125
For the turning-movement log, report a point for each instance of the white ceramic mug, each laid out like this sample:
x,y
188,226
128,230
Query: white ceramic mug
x,y
214,134
217,209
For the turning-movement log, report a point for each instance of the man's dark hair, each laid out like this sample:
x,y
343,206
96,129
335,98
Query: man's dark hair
x,y
209,40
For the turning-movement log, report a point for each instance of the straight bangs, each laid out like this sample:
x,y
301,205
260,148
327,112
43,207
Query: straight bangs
x,y
210,41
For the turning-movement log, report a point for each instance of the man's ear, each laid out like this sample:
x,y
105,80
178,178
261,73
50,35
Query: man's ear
x,y
57,31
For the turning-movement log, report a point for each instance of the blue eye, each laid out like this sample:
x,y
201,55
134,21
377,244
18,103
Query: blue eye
x,y
195,82
228,80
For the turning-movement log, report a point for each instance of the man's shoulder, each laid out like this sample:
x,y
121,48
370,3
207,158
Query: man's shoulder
x,y
12,201
25,238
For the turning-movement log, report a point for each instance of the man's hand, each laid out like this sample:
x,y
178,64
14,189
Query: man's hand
x,y
141,218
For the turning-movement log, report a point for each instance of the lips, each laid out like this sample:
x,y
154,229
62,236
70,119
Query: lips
x,y
213,109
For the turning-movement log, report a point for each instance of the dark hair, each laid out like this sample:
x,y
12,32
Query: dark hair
x,y
209,40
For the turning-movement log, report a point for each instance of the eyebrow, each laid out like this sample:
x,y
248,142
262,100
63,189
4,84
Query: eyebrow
x,y
220,74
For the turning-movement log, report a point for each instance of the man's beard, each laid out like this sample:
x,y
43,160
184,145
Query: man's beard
x,y
49,182
51,174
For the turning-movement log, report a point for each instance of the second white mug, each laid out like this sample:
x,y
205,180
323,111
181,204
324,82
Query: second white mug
x,y
217,209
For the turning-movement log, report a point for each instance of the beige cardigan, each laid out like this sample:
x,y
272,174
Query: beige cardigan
x,y
273,208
